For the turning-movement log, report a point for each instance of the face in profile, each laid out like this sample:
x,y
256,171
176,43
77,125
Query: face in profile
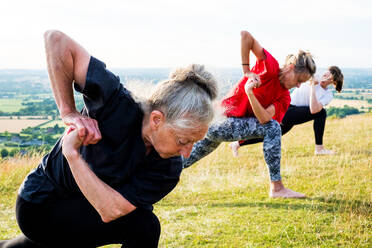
x,y
327,79
292,79
169,142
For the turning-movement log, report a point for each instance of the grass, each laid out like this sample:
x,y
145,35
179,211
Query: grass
x,y
222,201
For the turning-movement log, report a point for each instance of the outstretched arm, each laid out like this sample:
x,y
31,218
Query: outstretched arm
x,y
67,63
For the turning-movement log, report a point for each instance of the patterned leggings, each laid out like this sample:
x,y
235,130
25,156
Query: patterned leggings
x,y
233,129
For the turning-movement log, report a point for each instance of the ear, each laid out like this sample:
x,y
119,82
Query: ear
x,y
288,68
157,119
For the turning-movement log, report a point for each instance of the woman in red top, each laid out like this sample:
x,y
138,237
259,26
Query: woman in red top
x,y
256,105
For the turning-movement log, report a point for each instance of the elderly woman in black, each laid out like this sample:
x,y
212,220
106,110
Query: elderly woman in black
x,y
119,157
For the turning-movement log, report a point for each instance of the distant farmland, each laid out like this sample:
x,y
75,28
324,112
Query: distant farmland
x,y
339,103
10,105
16,126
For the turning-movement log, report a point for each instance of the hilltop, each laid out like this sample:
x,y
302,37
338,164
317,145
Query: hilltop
x,y
222,201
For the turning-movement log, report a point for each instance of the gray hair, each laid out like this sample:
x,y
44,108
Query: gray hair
x,y
186,98
303,62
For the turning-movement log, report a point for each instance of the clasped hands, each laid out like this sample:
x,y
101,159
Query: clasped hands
x,y
81,130
253,81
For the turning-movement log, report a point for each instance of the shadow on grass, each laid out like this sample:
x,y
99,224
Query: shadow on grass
x,y
320,204
362,152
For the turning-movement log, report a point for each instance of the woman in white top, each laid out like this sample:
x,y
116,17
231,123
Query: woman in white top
x,y
307,103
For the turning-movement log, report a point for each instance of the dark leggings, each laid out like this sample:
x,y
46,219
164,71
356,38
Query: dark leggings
x,y
75,223
295,116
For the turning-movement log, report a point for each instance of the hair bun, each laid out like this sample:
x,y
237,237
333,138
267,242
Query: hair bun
x,y
196,73
308,61
303,62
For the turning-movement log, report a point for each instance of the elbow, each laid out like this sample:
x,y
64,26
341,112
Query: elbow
x,y
52,37
264,121
106,218
111,215
246,36
116,212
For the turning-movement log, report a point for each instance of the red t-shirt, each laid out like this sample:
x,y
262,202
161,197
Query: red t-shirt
x,y
237,104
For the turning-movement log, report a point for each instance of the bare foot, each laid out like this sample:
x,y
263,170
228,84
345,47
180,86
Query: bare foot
x,y
234,146
324,152
286,193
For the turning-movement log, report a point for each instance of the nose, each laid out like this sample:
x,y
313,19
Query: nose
x,y
186,151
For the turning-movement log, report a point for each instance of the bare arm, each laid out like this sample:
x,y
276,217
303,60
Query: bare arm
x,y
263,115
67,63
248,44
315,106
109,203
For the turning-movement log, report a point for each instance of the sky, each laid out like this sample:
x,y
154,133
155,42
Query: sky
x,y
170,33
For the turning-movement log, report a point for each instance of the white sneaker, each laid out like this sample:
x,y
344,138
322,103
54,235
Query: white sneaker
x,y
324,152
234,146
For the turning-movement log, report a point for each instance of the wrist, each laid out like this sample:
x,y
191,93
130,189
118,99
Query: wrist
x,y
249,92
247,73
71,154
65,111
246,68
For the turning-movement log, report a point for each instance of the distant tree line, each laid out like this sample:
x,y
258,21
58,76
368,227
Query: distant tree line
x,y
342,112
351,97
30,139
46,107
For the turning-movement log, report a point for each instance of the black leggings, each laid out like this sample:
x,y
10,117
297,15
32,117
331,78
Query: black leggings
x,y
75,223
297,115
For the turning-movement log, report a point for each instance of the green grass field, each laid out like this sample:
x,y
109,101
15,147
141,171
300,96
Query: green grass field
x,y
10,105
223,201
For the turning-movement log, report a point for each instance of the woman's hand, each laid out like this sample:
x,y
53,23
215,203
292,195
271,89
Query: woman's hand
x,y
87,128
71,142
253,81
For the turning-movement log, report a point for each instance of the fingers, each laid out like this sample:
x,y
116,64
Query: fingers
x,y
87,128
254,82
80,126
89,132
71,142
98,135
254,79
92,133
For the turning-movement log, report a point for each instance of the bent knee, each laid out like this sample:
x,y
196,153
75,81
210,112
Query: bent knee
x,y
274,126
150,227
274,123
151,230
323,113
